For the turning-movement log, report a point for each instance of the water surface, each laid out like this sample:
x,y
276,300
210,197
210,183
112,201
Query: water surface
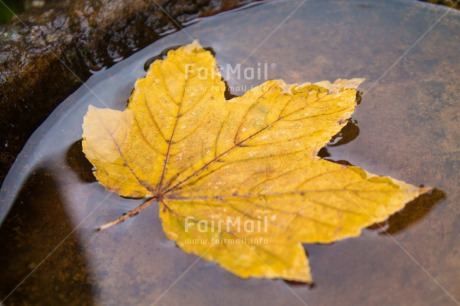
x,y
407,127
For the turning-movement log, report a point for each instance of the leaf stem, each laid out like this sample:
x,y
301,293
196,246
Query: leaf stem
x,y
127,215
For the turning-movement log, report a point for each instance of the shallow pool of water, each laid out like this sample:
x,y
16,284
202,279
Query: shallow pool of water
x,y
407,127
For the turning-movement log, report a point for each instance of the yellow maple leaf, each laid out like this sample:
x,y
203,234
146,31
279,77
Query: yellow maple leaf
x,y
238,182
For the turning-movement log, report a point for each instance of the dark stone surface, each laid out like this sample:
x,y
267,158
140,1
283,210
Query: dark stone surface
x,y
45,54
450,3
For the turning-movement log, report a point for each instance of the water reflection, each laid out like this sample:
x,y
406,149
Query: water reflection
x,y
160,56
34,227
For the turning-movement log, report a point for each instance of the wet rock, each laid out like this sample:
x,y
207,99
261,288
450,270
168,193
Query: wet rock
x,y
450,3
47,53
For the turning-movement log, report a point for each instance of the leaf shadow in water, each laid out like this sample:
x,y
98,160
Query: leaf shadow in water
x,y
35,226
77,161
348,133
412,213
